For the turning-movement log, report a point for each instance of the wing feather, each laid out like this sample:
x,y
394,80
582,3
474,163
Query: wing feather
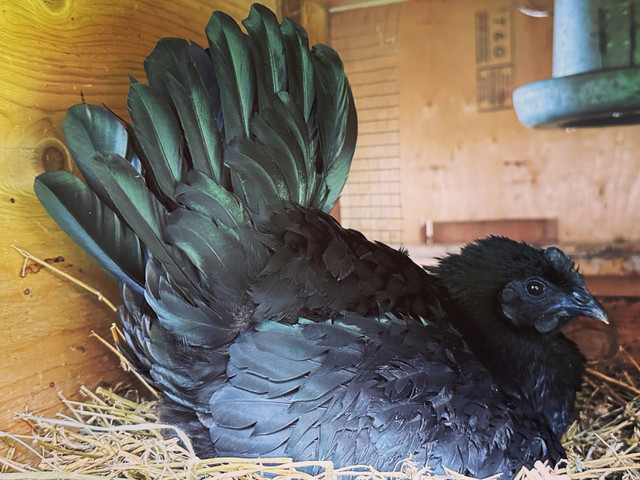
x,y
231,59
94,226
158,133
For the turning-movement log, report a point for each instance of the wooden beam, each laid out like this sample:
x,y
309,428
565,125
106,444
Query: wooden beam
x,y
532,230
312,15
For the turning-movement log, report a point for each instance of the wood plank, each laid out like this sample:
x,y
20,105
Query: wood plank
x,y
377,139
614,285
367,52
542,231
361,39
374,127
377,151
369,77
374,89
371,64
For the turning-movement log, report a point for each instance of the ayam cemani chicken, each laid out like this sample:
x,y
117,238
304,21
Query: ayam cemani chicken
x,y
270,329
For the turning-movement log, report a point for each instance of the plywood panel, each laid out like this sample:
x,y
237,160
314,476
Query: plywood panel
x,y
54,54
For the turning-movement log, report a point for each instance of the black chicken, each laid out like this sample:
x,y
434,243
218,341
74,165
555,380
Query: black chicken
x,y
269,328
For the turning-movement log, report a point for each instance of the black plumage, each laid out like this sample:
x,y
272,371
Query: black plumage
x,y
270,329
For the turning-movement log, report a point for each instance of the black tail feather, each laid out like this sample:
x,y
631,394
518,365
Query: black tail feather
x,y
216,141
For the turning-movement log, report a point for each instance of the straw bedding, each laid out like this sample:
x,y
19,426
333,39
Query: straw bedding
x,y
114,434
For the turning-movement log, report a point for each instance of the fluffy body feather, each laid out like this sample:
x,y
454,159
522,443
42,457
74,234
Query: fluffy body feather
x,y
269,328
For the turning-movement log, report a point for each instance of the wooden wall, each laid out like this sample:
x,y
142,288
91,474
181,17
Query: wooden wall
x,y
52,55
459,156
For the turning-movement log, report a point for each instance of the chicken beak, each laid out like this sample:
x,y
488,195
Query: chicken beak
x,y
597,312
587,306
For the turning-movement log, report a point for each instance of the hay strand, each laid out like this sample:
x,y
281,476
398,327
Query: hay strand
x,y
114,435
27,256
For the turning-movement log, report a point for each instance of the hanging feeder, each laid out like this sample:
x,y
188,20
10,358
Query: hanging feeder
x,y
596,68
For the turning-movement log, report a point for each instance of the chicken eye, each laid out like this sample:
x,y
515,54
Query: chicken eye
x,y
535,288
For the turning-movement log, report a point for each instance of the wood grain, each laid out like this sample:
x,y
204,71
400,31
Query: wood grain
x,y
52,55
